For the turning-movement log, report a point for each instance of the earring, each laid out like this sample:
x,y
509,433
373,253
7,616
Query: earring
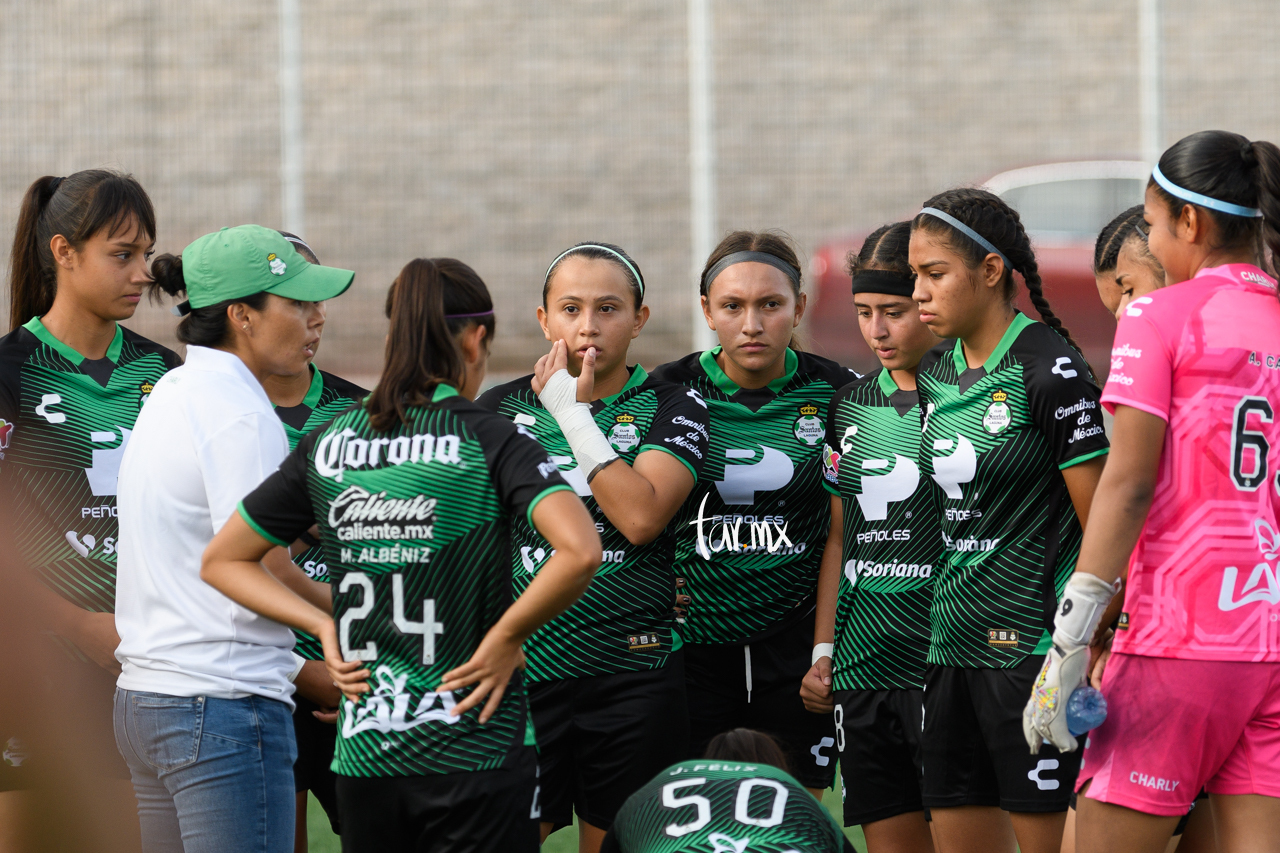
x,y
245,327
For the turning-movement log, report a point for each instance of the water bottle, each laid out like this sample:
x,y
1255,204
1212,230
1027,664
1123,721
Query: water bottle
x,y
1086,709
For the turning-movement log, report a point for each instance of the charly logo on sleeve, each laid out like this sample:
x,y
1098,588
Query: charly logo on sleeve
x,y
624,435
808,426
998,416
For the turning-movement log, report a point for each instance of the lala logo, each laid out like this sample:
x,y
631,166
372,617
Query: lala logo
x,y
1262,585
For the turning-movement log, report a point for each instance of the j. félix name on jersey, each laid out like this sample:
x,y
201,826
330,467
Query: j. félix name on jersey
x,y
767,534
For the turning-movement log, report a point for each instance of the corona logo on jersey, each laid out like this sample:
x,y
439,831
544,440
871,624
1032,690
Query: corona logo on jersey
x,y
808,427
1262,585
343,451
6,435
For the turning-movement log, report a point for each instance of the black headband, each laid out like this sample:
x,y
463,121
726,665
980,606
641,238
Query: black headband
x,y
884,281
752,257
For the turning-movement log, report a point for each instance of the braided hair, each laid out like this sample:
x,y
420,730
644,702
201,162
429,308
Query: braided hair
x,y
1112,237
990,216
884,249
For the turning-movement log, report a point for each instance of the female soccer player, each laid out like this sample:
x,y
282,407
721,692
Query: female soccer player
x,y
1013,439
737,797
416,493
872,634
305,401
1192,485
1123,266
751,539
606,677
72,381
202,706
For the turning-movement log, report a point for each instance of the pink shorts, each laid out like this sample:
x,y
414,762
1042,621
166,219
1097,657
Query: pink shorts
x,y
1175,726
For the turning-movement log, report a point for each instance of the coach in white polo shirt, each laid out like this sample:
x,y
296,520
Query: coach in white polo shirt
x,y
202,709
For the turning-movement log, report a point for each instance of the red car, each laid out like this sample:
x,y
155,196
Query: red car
x,y
1063,206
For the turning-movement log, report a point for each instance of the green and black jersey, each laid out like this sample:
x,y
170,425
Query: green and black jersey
x,y
327,397
415,524
750,538
625,621
725,807
64,424
892,541
996,439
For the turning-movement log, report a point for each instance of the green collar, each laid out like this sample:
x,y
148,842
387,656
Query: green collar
x,y
728,386
887,385
316,389
1020,322
638,376
37,328
443,392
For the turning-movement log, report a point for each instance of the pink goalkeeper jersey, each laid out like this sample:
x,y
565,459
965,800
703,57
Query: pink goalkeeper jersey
x,y
1204,356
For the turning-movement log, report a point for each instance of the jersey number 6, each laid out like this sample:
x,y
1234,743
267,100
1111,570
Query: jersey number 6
x,y
1242,437
428,627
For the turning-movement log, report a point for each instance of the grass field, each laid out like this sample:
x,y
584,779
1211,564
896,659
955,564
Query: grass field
x,y
322,840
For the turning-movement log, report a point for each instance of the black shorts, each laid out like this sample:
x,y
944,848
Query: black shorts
x,y
757,686
479,812
975,753
311,771
878,735
601,738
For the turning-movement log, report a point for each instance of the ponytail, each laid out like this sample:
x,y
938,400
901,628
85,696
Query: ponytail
x,y
202,327
77,207
1269,198
429,304
988,215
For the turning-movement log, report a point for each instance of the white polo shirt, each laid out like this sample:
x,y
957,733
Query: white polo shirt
x,y
206,437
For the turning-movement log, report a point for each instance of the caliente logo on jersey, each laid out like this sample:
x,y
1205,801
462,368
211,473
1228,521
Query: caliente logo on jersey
x,y
359,514
1262,586
950,472
341,451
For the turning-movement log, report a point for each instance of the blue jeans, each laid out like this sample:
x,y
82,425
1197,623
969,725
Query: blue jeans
x,y
211,775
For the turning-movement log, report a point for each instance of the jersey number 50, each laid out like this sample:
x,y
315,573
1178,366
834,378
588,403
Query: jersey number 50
x,y
428,627
703,806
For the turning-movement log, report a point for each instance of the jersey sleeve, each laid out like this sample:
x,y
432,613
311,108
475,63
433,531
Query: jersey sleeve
x,y
280,509
238,457
1141,367
522,472
1065,406
680,427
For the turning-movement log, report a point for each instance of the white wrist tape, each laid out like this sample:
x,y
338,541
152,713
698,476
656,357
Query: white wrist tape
x,y
590,448
1081,608
823,650
298,663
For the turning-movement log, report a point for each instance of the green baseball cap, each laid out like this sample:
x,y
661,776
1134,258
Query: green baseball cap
x,y
249,259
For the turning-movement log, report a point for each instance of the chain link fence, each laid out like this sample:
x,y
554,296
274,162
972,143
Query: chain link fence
x,y
501,133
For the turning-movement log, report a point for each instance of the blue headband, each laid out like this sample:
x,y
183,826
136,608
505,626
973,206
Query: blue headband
x,y
635,272
968,232
1203,200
